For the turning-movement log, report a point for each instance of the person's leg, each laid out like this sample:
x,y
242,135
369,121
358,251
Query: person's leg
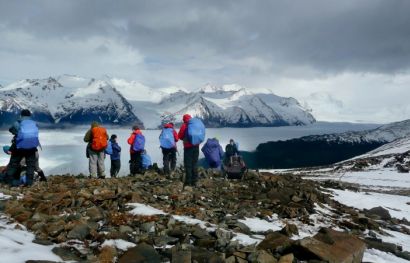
x,y
195,156
112,169
30,156
138,162
173,159
165,160
92,164
117,167
133,163
13,169
101,164
188,166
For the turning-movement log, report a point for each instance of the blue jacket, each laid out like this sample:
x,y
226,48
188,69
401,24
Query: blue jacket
x,y
116,151
213,152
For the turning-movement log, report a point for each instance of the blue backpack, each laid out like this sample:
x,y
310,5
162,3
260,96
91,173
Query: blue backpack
x,y
166,139
108,150
146,161
196,131
27,136
139,143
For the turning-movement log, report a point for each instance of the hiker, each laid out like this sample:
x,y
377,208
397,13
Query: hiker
x,y
146,160
168,142
97,139
8,150
192,132
137,146
231,149
213,153
26,141
114,151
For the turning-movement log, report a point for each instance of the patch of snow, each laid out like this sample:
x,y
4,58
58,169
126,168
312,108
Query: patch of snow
x,y
144,210
247,240
396,238
259,225
118,243
397,205
17,245
3,196
377,256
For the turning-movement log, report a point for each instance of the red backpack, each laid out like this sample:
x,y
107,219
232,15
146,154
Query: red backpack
x,y
99,139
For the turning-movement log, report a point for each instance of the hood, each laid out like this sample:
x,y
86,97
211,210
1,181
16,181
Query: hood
x,y
94,124
169,125
186,118
213,143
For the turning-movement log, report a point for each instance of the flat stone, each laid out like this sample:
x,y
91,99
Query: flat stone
x,y
94,214
275,240
79,232
140,254
264,257
338,246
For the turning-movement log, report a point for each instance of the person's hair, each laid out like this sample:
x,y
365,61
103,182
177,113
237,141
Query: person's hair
x,y
25,113
135,127
113,137
231,140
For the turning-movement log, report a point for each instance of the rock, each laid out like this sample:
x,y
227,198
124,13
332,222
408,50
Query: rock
x,y
338,246
180,256
67,253
263,256
402,169
380,245
148,227
79,232
94,214
139,254
107,254
125,229
288,258
54,229
43,242
290,230
275,240
231,259
379,211
203,255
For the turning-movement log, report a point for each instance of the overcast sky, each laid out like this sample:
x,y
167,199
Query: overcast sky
x,y
348,60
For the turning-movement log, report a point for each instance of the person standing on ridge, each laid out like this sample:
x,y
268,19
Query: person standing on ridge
x,y
97,139
25,131
137,146
114,150
231,149
168,142
192,132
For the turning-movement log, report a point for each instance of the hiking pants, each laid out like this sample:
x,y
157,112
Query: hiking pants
x,y
136,163
115,167
96,163
191,165
14,167
169,158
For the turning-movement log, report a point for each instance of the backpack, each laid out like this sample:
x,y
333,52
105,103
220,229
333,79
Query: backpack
x,y
196,131
146,161
166,139
139,143
27,136
99,139
109,150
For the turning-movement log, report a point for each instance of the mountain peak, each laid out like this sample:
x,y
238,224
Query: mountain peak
x,y
208,88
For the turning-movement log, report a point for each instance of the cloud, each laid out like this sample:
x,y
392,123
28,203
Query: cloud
x,y
189,43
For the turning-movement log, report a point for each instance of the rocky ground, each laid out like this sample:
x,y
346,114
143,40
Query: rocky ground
x,y
263,218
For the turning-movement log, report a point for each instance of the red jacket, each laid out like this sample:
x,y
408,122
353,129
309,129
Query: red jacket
x,y
171,125
131,139
183,130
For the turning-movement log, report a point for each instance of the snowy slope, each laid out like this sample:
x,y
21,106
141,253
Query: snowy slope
x,y
66,99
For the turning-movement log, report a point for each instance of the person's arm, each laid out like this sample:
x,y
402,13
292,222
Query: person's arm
x,y
175,136
15,128
131,139
181,133
116,147
87,136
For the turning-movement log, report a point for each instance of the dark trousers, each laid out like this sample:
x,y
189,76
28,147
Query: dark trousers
x,y
136,163
115,167
169,158
13,168
191,165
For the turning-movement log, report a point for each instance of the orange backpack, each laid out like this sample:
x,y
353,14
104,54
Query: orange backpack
x,y
99,139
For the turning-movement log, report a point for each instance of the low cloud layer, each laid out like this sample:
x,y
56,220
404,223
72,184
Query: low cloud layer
x,y
306,49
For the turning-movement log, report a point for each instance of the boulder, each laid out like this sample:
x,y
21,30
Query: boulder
x,y
139,254
333,246
80,232
274,241
380,212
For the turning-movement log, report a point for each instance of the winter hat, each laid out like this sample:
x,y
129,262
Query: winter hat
x,y
186,118
25,113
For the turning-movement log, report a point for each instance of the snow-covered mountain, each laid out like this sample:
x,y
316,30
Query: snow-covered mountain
x,y
66,100
226,106
76,100
383,134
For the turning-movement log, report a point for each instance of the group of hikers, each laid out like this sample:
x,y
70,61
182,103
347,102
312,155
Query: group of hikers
x,y
25,143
